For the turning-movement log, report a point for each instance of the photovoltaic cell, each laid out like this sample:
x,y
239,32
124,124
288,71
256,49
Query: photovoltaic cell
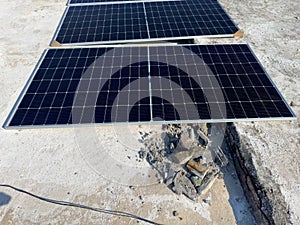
x,y
174,84
143,21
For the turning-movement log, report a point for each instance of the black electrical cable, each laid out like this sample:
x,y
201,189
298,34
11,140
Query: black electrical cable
x,y
64,203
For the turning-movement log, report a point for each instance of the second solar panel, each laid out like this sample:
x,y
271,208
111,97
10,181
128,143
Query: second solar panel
x,y
143,21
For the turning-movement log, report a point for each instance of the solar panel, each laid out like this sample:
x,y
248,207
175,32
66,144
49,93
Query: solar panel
x,y
81,2
143,21
174,84
188,18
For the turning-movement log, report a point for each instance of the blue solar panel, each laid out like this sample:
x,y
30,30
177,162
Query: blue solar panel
x,y
143,21
189,83
188,18
97,1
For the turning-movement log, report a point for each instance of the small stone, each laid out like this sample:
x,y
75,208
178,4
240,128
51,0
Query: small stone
x,y
142,154
221,175
206,201
292,104
172,145
175,213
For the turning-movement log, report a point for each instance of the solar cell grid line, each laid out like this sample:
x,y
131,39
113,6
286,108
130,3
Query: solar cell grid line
x,y
88,24
190,18
159,84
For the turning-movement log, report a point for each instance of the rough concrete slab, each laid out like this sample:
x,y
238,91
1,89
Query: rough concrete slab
x,y
52,163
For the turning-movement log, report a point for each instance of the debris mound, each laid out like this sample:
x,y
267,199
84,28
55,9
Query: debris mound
x,y
184,158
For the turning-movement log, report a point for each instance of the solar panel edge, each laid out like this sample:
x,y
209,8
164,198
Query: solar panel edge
x,y
272,82
153,122
139,41
12,112
59,26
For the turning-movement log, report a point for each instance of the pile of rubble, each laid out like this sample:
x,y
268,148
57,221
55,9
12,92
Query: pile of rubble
x,y
183,157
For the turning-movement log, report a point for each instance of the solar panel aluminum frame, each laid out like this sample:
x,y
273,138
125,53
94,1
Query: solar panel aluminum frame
x,y
136,40
23,92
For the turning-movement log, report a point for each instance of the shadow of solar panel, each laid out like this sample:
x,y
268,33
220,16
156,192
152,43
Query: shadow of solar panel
x,y
172,84
143,21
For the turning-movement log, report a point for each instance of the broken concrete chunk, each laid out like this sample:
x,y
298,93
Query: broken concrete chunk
x,y
196,181
197,168
207,157
181,155
187,139
220,157
207,182
170,174
183,185
203,139
203,127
